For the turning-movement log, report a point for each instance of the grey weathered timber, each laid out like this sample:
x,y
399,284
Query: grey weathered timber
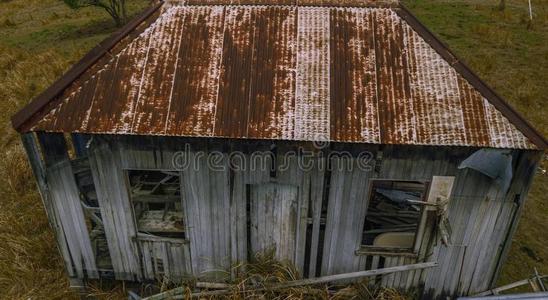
x,y
528,296
164,257
293,170
527,166
206,198
274,219
119,224
175,293
317,191
39,169
66,203
346,212
312,217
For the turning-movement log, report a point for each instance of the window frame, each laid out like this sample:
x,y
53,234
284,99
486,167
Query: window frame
x,y
141,234
419,232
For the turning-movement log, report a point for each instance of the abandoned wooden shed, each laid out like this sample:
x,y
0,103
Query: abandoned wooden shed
x,y
342,136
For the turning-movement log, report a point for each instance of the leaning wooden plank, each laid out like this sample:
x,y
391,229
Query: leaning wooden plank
x,y
528,296
312,281
213,285
499,289
109,177
153,238
527,166
39,170
350,276
64,191
167,294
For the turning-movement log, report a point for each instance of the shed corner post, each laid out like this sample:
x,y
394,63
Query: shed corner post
x,y
527,166
38,165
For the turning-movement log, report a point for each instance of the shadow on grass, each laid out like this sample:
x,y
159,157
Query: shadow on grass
x,y
91,29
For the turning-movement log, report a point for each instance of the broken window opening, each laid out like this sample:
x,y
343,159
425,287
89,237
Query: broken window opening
x,y
156,201
393,215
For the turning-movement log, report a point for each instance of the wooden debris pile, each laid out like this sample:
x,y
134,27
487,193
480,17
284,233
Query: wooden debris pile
x,y
282,282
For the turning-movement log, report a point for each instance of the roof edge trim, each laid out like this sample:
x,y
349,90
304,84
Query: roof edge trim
x,y
297,3
38,103
502,105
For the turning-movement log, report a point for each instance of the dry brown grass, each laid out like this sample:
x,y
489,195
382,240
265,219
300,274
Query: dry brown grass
x,y
29,262
264,271
39,39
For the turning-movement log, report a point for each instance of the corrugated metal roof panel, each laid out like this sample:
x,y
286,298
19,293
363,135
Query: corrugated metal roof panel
x,y
312,120
283,72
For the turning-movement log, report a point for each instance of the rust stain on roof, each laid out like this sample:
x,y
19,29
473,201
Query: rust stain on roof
x,y
345,74
196,83
354,101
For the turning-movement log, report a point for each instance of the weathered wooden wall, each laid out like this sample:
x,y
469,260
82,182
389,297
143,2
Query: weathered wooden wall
x,y
218,204
50,163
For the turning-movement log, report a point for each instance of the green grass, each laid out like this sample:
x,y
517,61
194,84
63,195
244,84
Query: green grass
x,y
511,55
40,39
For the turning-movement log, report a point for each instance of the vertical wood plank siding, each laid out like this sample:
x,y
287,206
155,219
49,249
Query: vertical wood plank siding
x,y
68,209
285,209
273,219
165,258
345,216
206,199
112,193
61,197
38,167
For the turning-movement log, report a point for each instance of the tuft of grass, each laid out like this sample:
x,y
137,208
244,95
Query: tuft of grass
x,y
31,267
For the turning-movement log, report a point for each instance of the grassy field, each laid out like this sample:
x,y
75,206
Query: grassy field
x,y
40,39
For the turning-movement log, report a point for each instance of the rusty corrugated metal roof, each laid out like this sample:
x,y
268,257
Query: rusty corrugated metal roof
x,y
342,74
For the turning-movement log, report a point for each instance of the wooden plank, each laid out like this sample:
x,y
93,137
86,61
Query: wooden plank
x,y
39,169
174,293
317,189
66,198
483,254
346,215
238,220
154,238
527,166
206,202
293,169
274,219
120,228
459,213
353,275
148,270
388,279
